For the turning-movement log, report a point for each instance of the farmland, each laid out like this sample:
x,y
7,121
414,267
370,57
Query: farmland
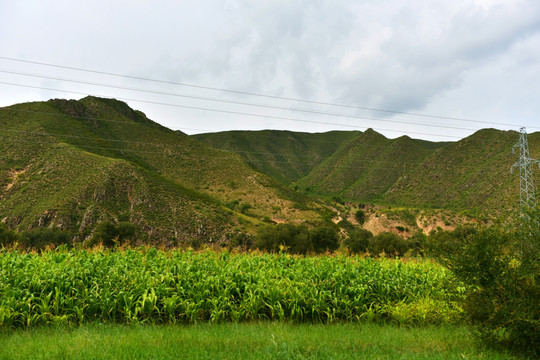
x,y
146,285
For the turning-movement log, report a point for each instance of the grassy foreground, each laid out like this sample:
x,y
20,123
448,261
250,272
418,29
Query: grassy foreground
x,y
265,340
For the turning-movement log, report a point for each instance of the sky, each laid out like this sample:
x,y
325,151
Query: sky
x,y
436,70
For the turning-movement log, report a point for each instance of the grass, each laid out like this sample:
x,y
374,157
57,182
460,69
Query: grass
x,y
266,340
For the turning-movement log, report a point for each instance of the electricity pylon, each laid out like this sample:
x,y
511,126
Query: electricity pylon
x,y
526,181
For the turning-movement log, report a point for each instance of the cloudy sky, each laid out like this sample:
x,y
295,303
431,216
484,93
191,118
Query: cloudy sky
x,y
436,70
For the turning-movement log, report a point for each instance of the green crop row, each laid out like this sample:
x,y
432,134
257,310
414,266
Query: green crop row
x,y
175,286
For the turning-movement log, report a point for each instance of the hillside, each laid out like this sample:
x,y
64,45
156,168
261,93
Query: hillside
x,y
75,163
284,155
471,174
367,166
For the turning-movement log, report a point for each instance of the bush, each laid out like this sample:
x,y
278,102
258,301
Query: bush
x,y
297,239
502,270
240,239
7,237
389,243
110,234
360,216
244,208
324,238
271,238
358,241
41,237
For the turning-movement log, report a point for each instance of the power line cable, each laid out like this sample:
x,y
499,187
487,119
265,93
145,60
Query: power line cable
x,y
174,129
235,102
253,93
229,111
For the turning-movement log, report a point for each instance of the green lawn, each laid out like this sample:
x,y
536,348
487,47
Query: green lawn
x,y
267,340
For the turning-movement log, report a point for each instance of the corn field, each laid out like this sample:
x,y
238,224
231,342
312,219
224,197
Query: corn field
x,y
146,285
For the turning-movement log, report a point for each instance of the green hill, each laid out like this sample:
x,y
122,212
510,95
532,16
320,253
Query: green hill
x,y
284,155
471,174
367,166
72,164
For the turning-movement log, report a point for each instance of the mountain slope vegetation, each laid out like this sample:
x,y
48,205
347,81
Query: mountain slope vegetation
x,y
72,164
470,174
284,155
366,167
473,173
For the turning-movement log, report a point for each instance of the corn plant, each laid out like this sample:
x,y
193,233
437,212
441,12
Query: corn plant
x,y
145,285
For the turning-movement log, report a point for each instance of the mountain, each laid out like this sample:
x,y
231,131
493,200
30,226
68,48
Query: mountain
x,y
471,174
367,166
284,155
72,164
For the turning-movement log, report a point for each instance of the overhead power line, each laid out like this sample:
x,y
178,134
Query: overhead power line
x,y
235,102
123,122
231,112
141,78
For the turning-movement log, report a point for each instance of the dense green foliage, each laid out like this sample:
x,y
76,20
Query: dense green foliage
x,y
358,241
389,243
502,270
147,285
110,234
35,239
297,239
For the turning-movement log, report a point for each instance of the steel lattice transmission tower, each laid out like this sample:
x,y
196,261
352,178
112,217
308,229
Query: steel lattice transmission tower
x,y
526,181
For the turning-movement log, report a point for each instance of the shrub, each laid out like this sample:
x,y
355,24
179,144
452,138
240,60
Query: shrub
x,y
39,238
110,234
502,270
358,240
360,216
389,243
7,237
270,238
244,208
297,239
324,238
240,239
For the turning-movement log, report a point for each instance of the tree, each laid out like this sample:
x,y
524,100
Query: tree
x,y
358,240
389,243
110,234
324,238
360,216
39,238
